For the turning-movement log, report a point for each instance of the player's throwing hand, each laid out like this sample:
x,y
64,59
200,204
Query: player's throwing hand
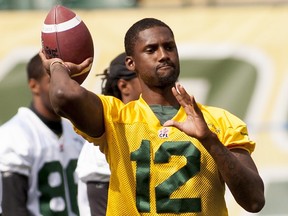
x,y
72,69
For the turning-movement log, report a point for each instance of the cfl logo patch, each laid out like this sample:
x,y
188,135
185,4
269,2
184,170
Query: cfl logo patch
x,y
163,133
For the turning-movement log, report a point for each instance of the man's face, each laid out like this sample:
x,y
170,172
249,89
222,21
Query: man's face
x,y
156,57
44,85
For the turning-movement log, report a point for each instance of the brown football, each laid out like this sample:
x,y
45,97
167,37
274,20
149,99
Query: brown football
x,y
64,35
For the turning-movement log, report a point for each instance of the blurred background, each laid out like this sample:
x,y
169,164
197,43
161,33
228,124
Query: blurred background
x,y
234,55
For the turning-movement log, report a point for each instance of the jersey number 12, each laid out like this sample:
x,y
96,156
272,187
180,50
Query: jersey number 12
x,y
163,191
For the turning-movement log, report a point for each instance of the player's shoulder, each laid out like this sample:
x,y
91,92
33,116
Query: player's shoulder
x,y
213,110
115,106
208,108
111,102
20,121
19,130
219,115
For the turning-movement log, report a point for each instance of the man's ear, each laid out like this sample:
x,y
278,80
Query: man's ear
x,y
123,86
34,86
130,63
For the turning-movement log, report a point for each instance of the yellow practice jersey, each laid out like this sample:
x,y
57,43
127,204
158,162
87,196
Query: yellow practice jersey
x,y
158,170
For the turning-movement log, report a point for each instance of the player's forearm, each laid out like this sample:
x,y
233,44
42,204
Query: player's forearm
x,y
15,189
239,173
74,102
97,195
63,89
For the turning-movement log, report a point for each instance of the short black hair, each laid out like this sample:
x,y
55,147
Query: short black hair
x,y
34,68
143,24
116,70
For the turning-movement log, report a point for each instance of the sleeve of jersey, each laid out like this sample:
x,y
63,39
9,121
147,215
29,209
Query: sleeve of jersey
x,y
231,131
92,165
15,151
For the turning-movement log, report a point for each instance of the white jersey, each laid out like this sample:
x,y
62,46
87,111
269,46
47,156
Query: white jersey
x,y
91,166
30,148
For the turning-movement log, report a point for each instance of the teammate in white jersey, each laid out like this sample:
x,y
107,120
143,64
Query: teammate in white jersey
x,y
92,168
38,155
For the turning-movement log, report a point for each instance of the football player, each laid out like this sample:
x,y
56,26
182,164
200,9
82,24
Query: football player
x,y
38,155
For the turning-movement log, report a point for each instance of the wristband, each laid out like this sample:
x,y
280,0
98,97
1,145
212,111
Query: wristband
x,y
61,63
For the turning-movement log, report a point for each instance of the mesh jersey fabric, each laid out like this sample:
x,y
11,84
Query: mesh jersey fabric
x,y
158,170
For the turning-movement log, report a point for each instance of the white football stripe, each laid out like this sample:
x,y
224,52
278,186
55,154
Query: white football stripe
x,y
52,28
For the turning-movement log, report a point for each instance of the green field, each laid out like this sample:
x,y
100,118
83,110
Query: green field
x,y
14,92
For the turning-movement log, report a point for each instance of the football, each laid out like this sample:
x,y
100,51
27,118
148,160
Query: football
x,y
64,35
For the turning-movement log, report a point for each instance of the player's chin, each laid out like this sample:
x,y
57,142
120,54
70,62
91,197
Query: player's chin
x,y
168,80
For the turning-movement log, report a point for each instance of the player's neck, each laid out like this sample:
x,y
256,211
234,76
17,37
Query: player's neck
x,y
54,125
164,98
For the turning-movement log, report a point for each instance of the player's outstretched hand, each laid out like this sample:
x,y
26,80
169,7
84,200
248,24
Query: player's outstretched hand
x,y
73,69
194,125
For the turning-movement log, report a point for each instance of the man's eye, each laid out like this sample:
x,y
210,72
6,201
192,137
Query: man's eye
x,y
149,50
170,47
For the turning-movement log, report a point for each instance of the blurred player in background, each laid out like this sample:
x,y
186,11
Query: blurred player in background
x,y
38,155
92,168
168,155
